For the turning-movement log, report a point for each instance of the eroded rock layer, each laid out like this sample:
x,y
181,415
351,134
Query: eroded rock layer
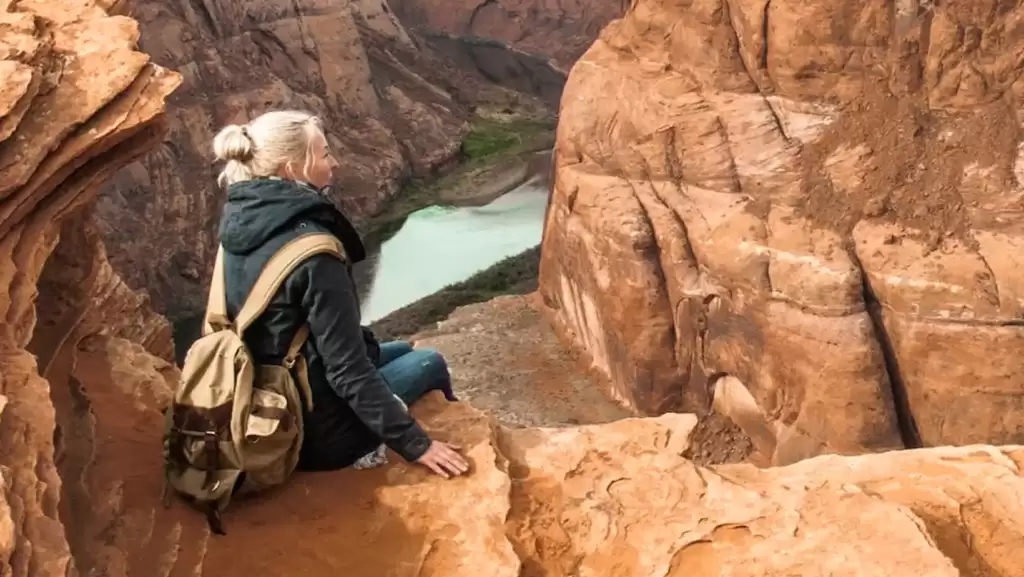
x,y
560,30
78,101
820,200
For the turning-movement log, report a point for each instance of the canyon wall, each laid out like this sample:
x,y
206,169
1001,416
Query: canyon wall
x,y
820,201
84,375
560,31
392,110
510,67
78,102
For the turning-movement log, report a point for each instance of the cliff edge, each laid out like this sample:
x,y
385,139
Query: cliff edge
x,y
616,499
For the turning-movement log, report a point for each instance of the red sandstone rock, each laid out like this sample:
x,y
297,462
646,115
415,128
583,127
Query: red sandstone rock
x,y
617,499
594,500
734,177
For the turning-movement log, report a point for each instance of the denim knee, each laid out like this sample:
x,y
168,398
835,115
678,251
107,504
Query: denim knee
x,y
439,374
435,365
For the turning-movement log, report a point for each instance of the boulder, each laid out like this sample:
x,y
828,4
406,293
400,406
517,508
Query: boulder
x,y
617,499
816,200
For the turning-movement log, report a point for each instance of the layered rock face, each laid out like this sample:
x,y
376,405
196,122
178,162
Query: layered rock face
x,y
391,110
560,31
77,102
819,200
515,69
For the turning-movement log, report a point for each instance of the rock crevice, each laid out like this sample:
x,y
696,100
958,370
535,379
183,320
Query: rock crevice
x,y
901,402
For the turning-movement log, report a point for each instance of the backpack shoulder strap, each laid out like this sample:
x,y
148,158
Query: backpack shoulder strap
x,y
277,270
216,302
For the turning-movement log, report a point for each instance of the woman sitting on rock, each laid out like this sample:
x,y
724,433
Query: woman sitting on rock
x,y
277,168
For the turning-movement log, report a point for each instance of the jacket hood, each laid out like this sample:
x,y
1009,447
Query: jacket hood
x,y
258,210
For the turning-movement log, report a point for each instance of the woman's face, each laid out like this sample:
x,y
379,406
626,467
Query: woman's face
x,y
321,166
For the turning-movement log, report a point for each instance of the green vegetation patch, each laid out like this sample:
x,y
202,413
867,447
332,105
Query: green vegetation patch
x,y
488,137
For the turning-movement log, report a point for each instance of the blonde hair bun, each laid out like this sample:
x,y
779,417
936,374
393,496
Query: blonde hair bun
x,y
233,143
264,145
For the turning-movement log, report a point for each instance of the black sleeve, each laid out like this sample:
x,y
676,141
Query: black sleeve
x,y
333,315
372,346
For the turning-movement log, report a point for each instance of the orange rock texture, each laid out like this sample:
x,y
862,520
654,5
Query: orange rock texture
x,y
84,372
77,102
617,499
820,199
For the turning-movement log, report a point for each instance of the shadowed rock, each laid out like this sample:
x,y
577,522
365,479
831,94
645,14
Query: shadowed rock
x,y
561,30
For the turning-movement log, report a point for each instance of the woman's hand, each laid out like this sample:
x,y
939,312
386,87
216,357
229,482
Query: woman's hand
x,y
442,459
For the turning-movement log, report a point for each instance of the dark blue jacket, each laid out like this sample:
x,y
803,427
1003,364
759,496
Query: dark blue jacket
x,y
354,410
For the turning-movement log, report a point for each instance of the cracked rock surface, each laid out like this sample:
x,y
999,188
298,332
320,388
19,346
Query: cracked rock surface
x,y
818,200
617,499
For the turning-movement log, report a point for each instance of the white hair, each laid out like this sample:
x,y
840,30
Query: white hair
x,y
267,144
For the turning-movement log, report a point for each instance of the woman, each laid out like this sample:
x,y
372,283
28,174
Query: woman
x,y
277,166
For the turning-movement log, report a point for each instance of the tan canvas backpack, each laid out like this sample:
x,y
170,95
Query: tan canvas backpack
x,y
235,427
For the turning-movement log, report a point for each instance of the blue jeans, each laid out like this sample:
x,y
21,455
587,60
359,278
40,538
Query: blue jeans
x,y
412,373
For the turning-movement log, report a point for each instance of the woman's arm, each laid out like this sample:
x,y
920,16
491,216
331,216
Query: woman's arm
x,y
333,315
